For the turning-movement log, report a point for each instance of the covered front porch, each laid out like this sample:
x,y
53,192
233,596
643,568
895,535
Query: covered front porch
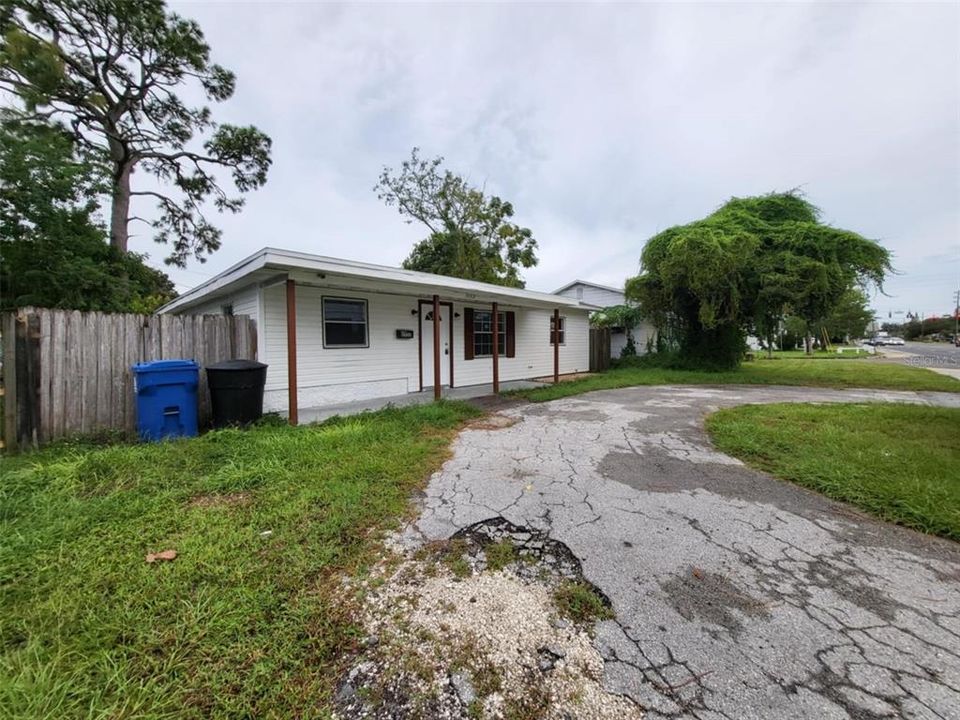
x,y
468,392
435,362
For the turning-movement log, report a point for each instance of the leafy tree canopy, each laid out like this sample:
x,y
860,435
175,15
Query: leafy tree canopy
x,y
625,316
471,235
53,251
109,71
744,267
849,317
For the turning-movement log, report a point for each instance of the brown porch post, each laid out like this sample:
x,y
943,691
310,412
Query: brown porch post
x,y
556,345
496,353
436,347
292,350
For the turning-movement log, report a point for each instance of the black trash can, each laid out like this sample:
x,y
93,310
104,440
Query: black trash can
x,y
236,391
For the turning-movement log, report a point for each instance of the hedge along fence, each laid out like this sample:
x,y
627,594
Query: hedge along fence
x,y
68,373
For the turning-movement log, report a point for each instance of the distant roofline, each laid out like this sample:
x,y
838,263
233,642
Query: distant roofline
x,y
588,283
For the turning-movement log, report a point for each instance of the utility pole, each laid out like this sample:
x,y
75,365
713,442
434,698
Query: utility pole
x,y
956,316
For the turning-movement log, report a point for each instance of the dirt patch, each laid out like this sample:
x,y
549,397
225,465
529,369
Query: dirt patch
x,y
494,421
564,378
238,499
449,636
712,598
851,584
494,403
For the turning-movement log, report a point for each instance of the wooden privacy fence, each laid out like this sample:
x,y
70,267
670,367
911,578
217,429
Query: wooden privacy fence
x,y
599,349
68,372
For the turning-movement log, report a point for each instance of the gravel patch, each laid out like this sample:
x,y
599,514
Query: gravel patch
x,y
481,643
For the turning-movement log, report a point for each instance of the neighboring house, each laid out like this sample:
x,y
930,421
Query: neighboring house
x,y
365,331
597,297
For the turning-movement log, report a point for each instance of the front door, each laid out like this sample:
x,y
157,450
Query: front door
x,y
426,344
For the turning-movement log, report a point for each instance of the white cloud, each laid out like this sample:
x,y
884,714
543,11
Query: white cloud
x,y
602,123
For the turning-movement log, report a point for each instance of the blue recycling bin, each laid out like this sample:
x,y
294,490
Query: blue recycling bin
x,y
166,398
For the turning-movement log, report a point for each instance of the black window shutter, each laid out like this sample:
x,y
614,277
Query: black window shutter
x,y
511,334
468,333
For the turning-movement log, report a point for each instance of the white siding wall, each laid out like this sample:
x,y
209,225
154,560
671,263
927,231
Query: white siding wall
x,y
330,376
245,302
643,332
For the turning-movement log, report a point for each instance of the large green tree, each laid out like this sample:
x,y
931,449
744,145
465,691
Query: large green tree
x,y
743,268
53,249
471,235
109,72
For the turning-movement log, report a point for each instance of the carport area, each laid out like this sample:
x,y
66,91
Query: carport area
x,y
736,595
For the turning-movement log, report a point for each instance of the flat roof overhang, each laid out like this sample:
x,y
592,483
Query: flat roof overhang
x,y
270,266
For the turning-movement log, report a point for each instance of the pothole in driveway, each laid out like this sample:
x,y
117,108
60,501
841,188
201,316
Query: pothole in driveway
x,y
495,622
497,542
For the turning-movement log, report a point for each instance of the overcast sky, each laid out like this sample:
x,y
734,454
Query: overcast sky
x,y
603,124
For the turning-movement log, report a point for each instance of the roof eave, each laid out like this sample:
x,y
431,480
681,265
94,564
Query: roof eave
x,y
416,282
232,274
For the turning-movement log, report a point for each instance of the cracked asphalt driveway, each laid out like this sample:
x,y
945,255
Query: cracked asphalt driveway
x,y
736,595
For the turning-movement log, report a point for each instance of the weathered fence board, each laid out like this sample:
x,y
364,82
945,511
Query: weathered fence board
x,y
133,333
69,372
8,328
104,370
57,374
599,349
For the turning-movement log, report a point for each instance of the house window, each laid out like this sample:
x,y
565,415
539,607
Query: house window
x,y
563,324
227,309
344,323
483,333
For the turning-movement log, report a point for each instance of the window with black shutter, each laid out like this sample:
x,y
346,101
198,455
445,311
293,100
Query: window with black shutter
x,y
478,333
483,333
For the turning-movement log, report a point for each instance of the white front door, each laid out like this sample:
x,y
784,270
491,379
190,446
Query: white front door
x,y
426,344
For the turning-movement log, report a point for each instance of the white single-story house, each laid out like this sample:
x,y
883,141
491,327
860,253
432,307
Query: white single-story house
x,y
596,297
336,331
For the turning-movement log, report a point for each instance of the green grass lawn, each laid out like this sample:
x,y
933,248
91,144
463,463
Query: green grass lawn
x,y
784,371
251,619
849,354
899,462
